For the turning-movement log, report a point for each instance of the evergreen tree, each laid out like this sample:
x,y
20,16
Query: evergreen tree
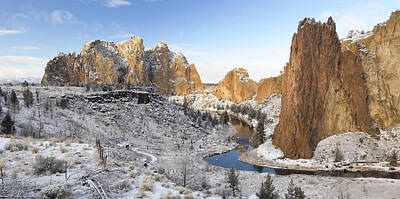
x,y
258,137
224,118
1,92
233,181
14,99
267,189
294,192
28,98
7,124
37,96
1,109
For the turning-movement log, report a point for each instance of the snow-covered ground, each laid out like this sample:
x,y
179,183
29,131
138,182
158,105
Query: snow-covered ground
x,y
158,133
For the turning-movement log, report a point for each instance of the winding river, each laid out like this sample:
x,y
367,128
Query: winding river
x,y
231,158
244,132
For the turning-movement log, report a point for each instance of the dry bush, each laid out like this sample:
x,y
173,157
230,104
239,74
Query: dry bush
x,y
48,164
134,173
148,184
187,196
41,143
58,191
35,150
14,174
26,144
131,166
18,146
168,196
67,142
62,149
53,141
2,165
147,172
124,185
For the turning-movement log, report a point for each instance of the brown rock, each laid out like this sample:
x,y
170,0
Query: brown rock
x,y
133,50
323,93
268,86
380,55
171,72
125,63
236,86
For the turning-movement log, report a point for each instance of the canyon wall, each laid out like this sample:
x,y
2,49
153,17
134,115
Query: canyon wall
x,y
323,91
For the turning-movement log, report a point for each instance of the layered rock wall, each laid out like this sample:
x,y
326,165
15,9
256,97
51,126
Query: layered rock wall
x,y
323,92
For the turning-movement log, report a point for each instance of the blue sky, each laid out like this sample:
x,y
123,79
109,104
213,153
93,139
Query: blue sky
x,y
216,35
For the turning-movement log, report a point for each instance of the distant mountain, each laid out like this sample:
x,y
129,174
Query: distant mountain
x,y
125,63
20,80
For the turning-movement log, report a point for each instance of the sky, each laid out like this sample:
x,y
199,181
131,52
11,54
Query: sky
x,y
215,35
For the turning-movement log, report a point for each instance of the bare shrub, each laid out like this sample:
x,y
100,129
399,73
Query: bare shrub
x,y
58,191
67,142
48,164
148,184
18,146
35,150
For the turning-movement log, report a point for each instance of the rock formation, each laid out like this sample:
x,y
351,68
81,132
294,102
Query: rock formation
x,y
323,91
171,72
268,86
125,63
236,86
379,50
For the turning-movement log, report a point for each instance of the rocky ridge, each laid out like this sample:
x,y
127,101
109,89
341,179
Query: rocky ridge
x,y
323,91
238,87
125,63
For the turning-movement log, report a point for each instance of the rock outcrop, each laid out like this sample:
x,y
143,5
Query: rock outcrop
x,y
379,50
125,63
171,72
236,86
323,91
268,86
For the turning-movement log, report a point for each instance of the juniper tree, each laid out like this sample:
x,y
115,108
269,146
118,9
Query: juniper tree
x,y
294,192
224,118
14,99
258,137
233,181
7,124
267,189
393,159
28,98
37,96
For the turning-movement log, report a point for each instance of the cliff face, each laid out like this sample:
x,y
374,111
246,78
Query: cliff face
x,y
236,86
323,91
125,63
380,54
268,86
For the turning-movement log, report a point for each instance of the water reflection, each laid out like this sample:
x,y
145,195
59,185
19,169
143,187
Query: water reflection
x,y
231,158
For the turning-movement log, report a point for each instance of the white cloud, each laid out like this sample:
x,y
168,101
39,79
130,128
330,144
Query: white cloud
x,y
185,49
10,32
122,36
116,3
22,66
363,16
25,48
62,16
